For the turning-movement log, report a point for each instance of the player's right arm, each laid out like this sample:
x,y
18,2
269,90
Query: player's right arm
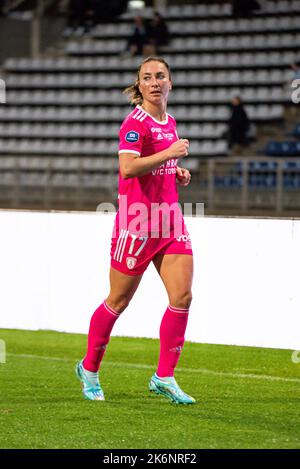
x,y
131,165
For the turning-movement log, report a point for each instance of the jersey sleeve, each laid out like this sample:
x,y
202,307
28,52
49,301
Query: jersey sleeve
x,y
174,125
131,137
175,131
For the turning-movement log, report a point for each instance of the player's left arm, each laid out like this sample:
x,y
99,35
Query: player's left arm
x,y
183,176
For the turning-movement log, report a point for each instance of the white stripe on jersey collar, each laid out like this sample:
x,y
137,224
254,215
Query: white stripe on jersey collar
x,y
159,122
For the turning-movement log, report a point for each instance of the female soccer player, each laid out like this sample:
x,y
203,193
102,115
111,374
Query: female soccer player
x,y
148,153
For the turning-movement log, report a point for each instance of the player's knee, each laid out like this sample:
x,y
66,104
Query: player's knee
x,y
119,303
182,300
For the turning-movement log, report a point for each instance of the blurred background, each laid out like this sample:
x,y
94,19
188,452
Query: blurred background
x,y
236,72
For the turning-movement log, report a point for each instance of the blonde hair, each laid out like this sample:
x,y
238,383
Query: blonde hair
x,y
135,96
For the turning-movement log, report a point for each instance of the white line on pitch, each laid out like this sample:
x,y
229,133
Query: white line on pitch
x,y
150,367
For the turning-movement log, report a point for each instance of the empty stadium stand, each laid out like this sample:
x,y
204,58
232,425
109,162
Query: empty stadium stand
x,y
59,126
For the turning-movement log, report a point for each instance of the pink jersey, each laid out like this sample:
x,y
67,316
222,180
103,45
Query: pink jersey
x,y
143,135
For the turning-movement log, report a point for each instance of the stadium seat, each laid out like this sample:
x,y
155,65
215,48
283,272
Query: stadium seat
x,y
201,10
297,145
283,6
286,148
296,131
291,165
273,148
295,6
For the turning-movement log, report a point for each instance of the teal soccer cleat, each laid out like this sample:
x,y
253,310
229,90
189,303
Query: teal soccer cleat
x,y
169,388
90,386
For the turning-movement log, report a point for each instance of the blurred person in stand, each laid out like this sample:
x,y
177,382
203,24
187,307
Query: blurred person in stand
x,y
238,125
138,39
81,17
157,35
244,8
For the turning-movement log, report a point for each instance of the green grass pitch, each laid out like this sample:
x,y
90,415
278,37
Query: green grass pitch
x,y
246,397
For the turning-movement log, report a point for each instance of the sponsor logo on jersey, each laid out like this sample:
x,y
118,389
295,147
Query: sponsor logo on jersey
x,y
169,136
130,262
184,238
167,168
156,129
163,171
132,136
161,134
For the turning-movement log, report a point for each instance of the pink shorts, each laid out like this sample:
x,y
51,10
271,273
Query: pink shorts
x,y
131,255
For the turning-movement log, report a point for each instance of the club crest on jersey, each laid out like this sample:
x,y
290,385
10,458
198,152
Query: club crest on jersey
x,y
132,136
130,262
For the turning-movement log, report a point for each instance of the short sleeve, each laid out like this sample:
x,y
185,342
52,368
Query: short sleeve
x,y
132,135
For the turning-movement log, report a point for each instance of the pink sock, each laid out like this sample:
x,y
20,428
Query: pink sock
x,y
172,329
101,326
